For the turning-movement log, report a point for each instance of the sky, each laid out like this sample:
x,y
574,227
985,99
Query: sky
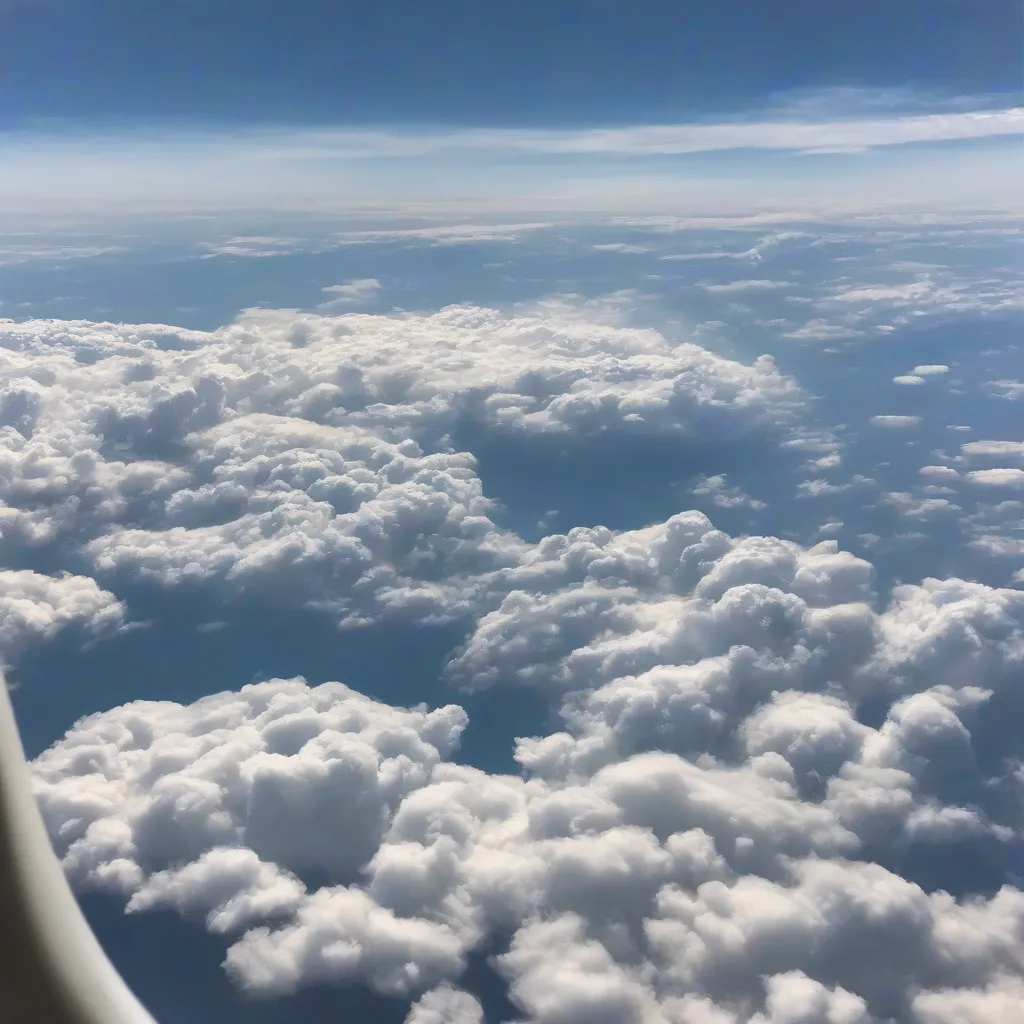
x,y
512,515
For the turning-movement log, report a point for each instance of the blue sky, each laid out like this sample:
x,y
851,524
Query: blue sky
x,y
512,513
568,62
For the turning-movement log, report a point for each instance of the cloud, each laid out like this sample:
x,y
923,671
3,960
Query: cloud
x,y
446,234
446,1005
941,290
996,1003
314,452
789,133
821,330
1002,477
771,788
930,370
354,291
908,379
34,608
918,507
722,826
1011,389
993,448
152,796
722,495
939,472
748,285
253,247
621,247
895,421
529,175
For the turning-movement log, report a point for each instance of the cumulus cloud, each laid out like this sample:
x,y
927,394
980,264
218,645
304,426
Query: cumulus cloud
x,y
939,472
145,789
908,379
446,1005
769,795
34,608
771,799
930,369
317,449
997,448
1002,477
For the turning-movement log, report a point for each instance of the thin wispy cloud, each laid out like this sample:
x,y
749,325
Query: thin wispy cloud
x,y
869,160
838,135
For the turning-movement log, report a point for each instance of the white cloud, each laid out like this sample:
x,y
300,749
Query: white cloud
x,y
998,1002
762,779
820,487
822,330
1011,389
942,290
34,608
723,495
314,450
1002,477
632,140
895,421
996,448
446,1005
745,285
473,174
142,790
355,291
716,833
918,507
908,379
253,247
445,234
624,247
930,369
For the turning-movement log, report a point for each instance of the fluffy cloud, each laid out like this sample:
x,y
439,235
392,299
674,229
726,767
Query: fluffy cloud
x,y
771,796
1002,477
997,448
446,1005
279,768
317,450
939,472
763,785
34,607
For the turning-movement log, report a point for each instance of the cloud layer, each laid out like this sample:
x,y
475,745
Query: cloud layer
x,y
721,832
317,452
773,795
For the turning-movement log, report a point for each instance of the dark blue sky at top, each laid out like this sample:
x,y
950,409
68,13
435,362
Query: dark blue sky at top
x,y
478,62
